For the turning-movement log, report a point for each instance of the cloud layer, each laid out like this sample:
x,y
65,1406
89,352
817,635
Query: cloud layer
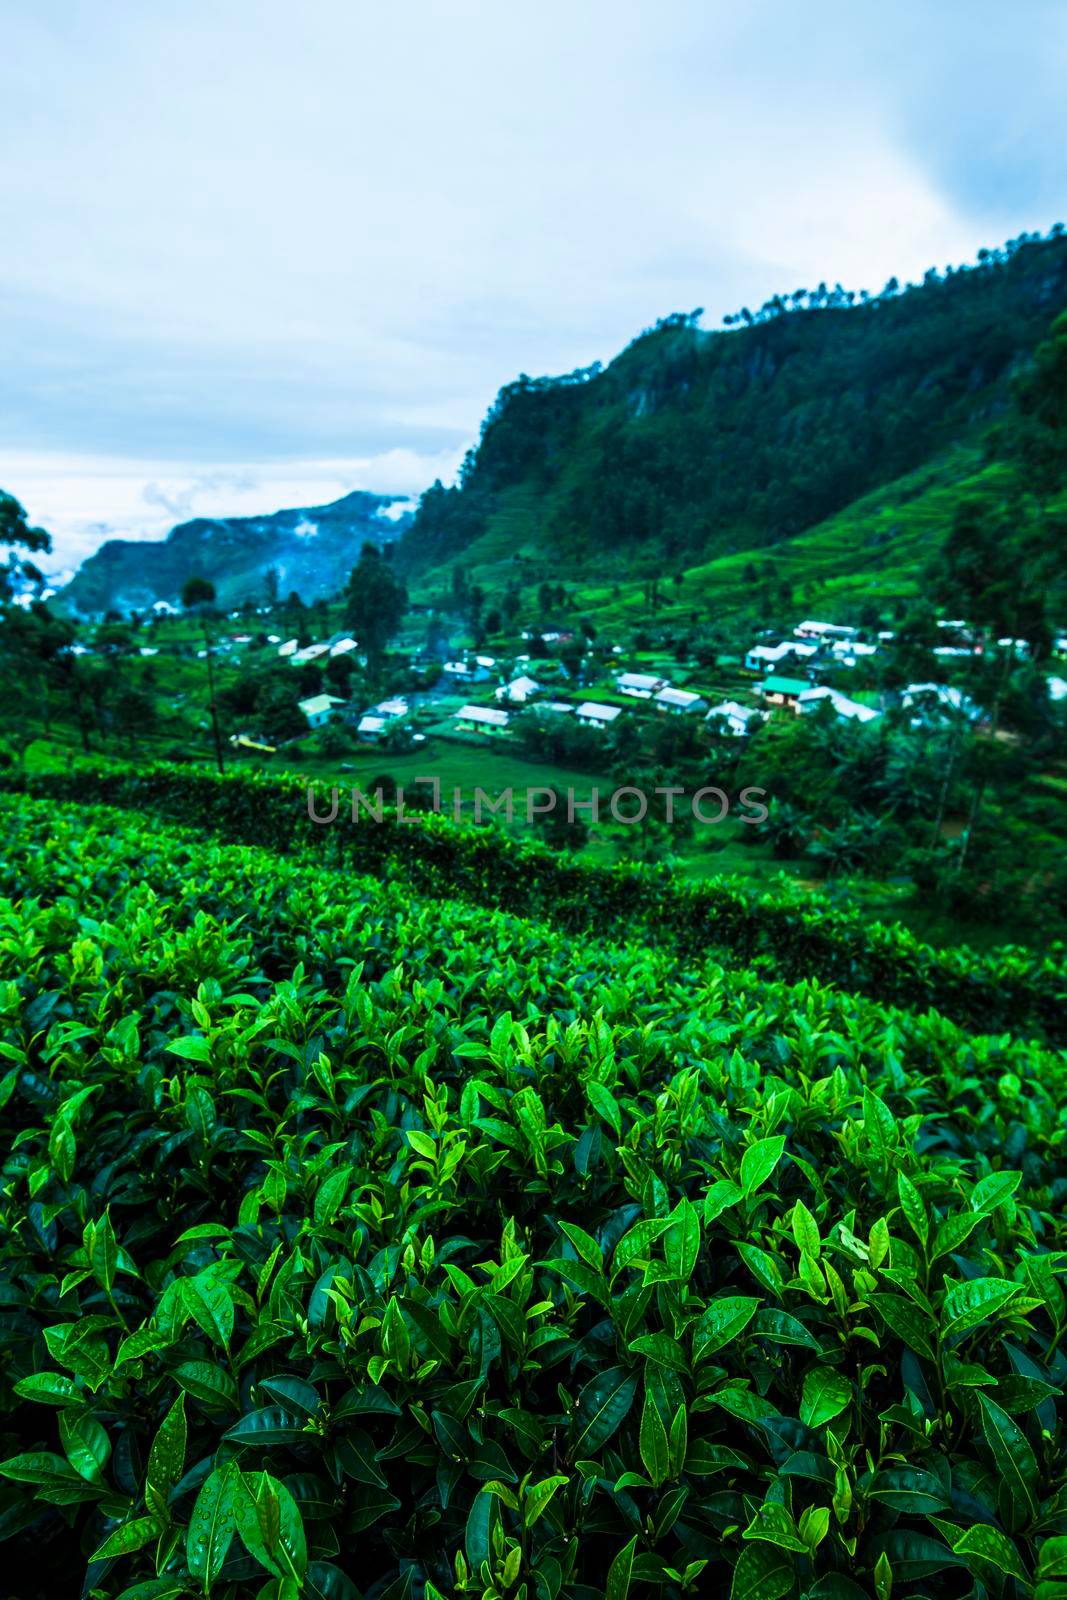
x,y
252,249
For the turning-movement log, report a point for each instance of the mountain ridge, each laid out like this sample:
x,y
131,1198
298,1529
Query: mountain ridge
x,y
694,446
312,549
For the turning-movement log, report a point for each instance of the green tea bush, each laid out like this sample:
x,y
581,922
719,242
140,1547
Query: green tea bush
x,y
356,1244
1010,989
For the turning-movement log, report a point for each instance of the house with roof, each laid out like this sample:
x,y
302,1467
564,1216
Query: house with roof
x,y
765,657
476,670
814,699
310,652
288,649
320,708
554,708
782,691
824,630
593,715
735,719
341,644
931,699
370,726
519,690
481,719
846,652
639,685
679,702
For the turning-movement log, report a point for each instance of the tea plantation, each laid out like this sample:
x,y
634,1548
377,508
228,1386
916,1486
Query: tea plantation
x,y
414,1214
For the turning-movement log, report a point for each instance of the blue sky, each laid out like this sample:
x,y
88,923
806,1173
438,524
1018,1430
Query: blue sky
x,y
257,254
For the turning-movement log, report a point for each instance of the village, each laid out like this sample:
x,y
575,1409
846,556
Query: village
x,y
558,677
483,697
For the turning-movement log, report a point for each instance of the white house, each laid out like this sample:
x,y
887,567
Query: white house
x,y
310,652
679,702
389,709
639,685
597,716
481,719
763,656
737,718
848,651
149,650
812,699
320,708
928,697
369,726
287,649
476,671
341,646
519,690
824,630
555,708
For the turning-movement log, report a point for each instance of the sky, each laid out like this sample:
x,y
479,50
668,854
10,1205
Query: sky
x,y
258,254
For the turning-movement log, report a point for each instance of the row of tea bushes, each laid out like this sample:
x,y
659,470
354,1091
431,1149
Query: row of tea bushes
x,y
363,1268
1010,989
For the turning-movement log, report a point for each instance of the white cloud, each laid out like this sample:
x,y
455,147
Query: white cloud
x,y
317,240
82,501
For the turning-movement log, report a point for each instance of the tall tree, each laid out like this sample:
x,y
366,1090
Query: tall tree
x,y
376,600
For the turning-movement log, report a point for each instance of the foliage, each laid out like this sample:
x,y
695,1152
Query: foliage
x,y
694,444
796,937
376,600
357,1243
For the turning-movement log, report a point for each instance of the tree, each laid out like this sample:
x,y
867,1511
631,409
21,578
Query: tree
x,y
136,711
198,595
376,600
197,592
1041,403
16,531
277,712
572,656
272,585
556,828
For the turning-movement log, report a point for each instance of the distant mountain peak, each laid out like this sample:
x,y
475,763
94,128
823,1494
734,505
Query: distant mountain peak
x,y
313,549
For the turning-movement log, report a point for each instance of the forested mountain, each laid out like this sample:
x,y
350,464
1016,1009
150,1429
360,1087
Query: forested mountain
x,y
310,549
694,444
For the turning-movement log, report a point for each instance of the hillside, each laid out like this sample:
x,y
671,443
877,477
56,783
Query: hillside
x,y
694,447
312,548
